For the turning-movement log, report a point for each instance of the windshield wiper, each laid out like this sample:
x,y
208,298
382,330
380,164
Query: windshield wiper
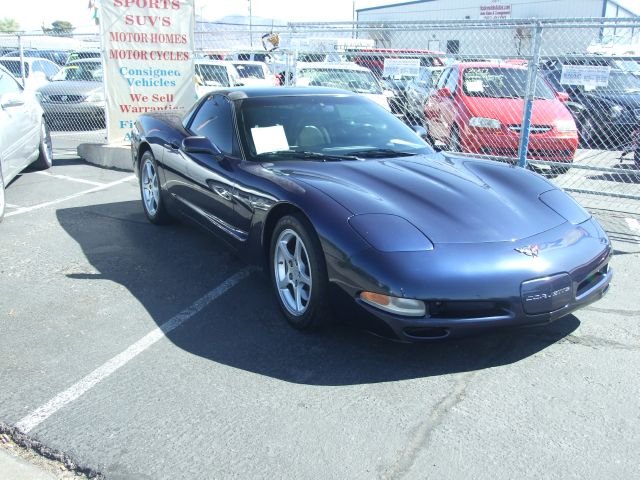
x,y
382,152
308,155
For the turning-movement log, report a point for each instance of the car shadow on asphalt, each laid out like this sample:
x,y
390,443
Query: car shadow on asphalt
x,y
168,268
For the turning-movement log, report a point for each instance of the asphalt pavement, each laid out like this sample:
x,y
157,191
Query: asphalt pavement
x,y
138,351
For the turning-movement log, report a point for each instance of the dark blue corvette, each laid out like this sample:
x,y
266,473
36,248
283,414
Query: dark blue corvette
x,y
340,200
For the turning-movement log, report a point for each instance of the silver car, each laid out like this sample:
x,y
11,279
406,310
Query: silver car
x,y
24,135
74,99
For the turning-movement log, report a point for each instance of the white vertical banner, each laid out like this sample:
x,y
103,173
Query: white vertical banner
x,y
147,59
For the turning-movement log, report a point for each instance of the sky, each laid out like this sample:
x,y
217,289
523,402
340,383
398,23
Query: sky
x,y
31,14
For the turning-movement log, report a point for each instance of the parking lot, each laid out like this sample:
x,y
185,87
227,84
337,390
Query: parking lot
x,y
151,352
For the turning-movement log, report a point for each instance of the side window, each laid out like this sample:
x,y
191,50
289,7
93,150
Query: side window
x,y
452,82
50,69
214,120
8,84
37,66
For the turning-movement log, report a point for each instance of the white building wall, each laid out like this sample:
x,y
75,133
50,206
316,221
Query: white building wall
x,y
470,9
476,42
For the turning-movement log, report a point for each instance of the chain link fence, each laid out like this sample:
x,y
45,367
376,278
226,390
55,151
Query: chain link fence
x,y
560,96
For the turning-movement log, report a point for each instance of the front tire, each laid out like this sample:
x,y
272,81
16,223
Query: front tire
x,y
299,273
45,149
150,190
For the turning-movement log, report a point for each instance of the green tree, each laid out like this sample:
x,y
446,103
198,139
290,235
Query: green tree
x,y
9,25
62,28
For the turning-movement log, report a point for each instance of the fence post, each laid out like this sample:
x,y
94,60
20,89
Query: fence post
x,y
21,54
532,74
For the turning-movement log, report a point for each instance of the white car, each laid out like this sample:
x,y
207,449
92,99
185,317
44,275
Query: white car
x,y
347,76
213,74
24,135
254,73
37,71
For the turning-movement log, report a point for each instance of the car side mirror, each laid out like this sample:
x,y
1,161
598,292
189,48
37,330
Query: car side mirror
x,y
420,131
200,145
444,93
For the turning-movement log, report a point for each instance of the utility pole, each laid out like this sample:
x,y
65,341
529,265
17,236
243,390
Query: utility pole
x,y
250,26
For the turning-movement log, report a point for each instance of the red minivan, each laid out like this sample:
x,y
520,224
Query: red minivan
x,y
477,108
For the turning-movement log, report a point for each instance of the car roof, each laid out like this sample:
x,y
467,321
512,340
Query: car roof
x,y
246,62
333,65
488,65
25,59
239,93
84,60
205,61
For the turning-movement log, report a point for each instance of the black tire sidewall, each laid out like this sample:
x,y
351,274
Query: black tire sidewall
x,y
317,312
45,159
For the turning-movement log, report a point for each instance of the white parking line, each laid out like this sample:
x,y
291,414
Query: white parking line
x,y
72,179
633,224
74,392
64,199
11,205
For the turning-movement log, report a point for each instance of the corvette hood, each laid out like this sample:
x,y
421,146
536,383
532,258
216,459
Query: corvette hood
x,y
451,200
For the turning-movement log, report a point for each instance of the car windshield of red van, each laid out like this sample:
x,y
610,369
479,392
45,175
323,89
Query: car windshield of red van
x,y
497,82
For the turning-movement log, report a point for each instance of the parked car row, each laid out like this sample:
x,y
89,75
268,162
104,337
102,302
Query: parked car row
x,y
477,107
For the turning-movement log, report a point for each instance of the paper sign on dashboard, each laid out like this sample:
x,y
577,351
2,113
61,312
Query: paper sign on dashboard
x,y
269,139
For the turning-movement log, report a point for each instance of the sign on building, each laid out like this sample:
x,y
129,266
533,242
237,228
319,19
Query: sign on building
x,y
589,76
495,11
147,60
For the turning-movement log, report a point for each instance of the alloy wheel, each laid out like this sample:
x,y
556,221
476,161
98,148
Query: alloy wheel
x,y
150,188
293,276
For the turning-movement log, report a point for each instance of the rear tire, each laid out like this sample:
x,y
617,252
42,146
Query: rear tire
x,y
45,149
299,273
151,191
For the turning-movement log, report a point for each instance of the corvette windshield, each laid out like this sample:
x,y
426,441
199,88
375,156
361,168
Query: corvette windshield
x,y
312,126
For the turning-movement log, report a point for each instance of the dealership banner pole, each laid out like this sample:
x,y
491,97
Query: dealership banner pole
x,y
532,74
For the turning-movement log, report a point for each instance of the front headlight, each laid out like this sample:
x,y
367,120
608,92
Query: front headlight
x,y
565,125
616,111
408,307
95,97
482,122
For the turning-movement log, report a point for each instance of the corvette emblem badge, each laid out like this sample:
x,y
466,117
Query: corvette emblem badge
x,y
529,250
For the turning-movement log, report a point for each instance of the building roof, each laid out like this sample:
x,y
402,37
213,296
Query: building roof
x,y
629,6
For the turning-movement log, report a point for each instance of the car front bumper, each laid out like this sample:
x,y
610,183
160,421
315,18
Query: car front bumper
x,y
472,288
554,146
